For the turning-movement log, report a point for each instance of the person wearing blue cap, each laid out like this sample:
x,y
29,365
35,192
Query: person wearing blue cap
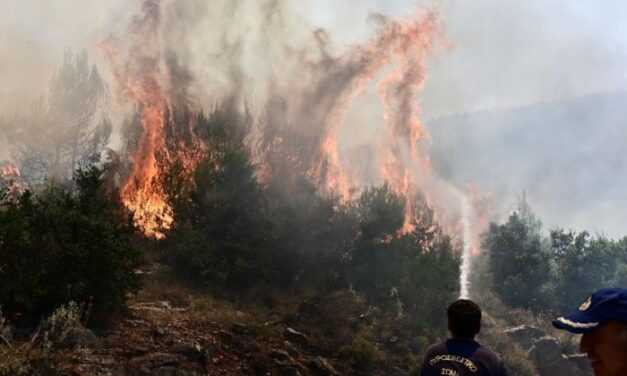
x,y
602,321
461,355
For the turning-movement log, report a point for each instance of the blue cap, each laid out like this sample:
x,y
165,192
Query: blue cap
x,y
603,306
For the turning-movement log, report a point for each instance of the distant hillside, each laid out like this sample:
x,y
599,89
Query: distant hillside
x,y
569,156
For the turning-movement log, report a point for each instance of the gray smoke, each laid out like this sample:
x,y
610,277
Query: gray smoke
x,y
502,55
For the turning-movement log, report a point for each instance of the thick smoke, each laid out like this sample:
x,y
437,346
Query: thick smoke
x,y
501,55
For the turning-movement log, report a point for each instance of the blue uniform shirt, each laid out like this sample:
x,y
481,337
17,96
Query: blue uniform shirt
x,y
461,357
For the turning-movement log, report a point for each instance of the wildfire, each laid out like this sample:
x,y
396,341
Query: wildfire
x,y
9,171
141,80
11,178
393,62
401,49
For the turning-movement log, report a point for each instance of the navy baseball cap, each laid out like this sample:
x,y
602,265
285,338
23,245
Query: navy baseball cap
x,y
603,306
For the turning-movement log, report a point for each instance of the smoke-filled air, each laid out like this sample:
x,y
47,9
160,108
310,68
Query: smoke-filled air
x,y
280,187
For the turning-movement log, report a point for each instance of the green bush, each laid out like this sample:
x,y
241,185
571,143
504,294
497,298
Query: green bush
x,y
65,243
222,232
362,353
416,273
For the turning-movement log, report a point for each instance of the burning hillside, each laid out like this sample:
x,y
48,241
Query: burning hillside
x,y
301,115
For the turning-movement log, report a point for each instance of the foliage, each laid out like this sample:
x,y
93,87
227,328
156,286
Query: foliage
x,y
584,265
64,328
555,272
362,353
233,231
65,243
519,262
221,233
419,270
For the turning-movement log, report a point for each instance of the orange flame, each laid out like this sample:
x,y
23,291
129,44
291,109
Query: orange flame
x,y
402,47
11,179
140,79
9,170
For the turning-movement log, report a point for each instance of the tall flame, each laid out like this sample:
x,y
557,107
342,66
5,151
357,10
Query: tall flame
x,y
11,178
400,48
141,80
393,62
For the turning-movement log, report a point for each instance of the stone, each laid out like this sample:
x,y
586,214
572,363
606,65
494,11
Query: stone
x,y
289,371
192,352
525,335
322,367
241,329
546,350
580,361
291,348
546,354
148,363
281,356
310,307
80,337
296,337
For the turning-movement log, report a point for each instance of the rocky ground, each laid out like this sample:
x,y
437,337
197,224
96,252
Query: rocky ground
x,y
547,353
159,339
172,330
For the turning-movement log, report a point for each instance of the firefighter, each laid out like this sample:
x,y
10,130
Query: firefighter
x,y
602,319
461,355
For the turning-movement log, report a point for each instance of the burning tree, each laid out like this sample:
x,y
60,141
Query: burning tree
x,y
227,192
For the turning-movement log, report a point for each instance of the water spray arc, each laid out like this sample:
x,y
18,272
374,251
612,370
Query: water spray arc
x,y
466,212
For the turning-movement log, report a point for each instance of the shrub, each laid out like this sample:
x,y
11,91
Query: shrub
x,y
362,353
64,328
66,243
415,273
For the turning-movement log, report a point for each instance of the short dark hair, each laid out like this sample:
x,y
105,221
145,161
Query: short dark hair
x,y
464,318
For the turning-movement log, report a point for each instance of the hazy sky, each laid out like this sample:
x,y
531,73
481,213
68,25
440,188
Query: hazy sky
x,y
508,53
504,52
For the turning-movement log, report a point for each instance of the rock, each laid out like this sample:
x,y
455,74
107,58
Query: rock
x,y
151,362
322,367
286,363
170,371
225,336
80,337
165,305
546,350
241,329
159,332
525,335
289,371
192,352
296,337
6,334
581,362
291,348
310,307
546,353
281,356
